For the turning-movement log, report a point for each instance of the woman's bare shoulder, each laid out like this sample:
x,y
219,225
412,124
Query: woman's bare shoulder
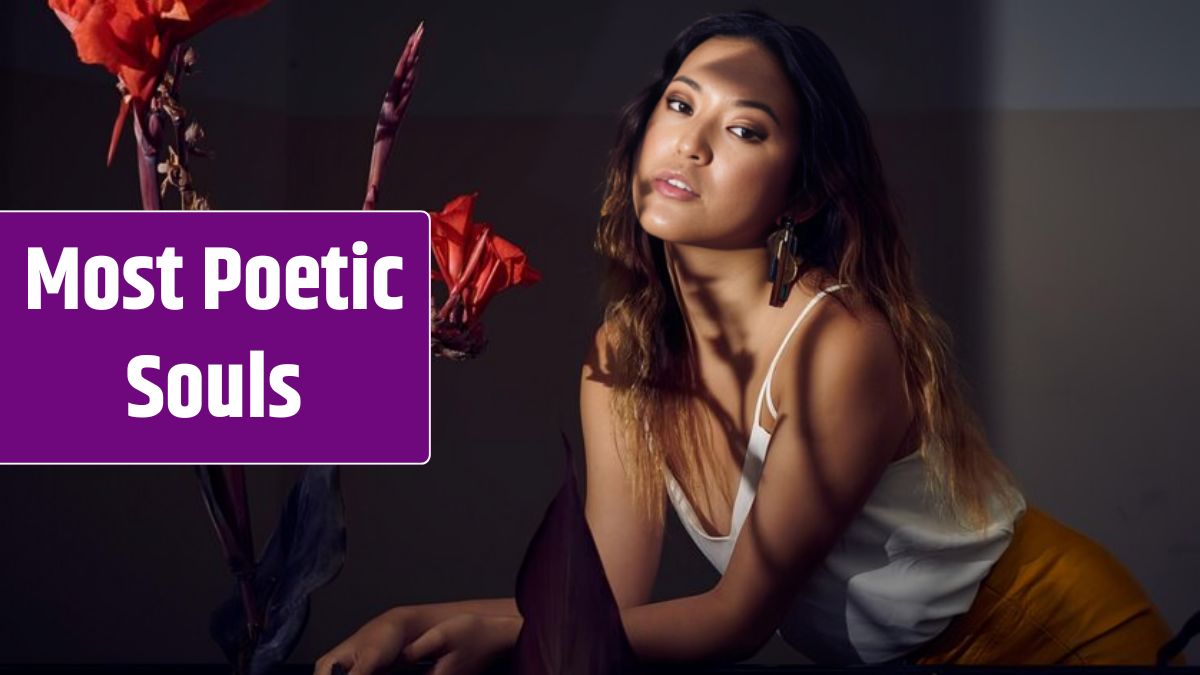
x,y
850,321
844,385
848,344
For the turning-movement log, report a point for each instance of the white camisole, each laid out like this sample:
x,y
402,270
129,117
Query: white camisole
x,y
896,577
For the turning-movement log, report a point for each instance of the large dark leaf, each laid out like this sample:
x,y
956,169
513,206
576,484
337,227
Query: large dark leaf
x,y
572,622
304,553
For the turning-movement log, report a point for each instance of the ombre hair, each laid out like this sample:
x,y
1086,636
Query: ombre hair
x,y
853,235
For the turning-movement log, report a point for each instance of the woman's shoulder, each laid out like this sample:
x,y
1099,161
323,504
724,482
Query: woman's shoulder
x,y
843,304
845,323
847,348
844,382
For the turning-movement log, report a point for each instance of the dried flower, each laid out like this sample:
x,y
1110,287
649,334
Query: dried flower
x,y
189,59
174,174
193,136
167,103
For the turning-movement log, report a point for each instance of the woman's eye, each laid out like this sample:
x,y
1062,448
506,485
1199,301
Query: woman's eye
x,y
678,106
746,133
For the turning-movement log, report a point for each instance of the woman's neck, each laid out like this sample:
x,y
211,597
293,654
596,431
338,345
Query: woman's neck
x,y
724,294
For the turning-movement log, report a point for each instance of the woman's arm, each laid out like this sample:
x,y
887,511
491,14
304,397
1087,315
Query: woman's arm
x,y
420,618
630,546
843,415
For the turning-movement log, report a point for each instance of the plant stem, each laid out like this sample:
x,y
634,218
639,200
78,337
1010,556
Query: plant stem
x,y
180,126
239,503
472,263
147,158
250,607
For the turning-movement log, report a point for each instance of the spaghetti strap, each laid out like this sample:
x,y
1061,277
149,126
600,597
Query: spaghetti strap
x,y
766,387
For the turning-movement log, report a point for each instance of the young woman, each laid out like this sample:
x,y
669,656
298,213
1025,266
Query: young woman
x,y
761,298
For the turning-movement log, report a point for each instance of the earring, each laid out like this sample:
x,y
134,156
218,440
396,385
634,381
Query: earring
x,y
783,247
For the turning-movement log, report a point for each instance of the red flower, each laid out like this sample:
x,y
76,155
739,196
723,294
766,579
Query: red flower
x,y
133,39
473,262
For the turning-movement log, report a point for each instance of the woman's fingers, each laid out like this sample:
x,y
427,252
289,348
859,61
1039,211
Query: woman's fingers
x,y
447,665
430,645
371,649
366,662
350,660
337,656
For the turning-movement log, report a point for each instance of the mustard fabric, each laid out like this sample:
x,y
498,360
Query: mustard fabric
x,y
1054,597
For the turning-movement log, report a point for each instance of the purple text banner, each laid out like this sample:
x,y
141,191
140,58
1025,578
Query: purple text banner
x,y
215,337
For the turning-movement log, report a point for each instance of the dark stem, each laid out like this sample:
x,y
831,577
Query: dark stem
x,y
253,622
147,158
181,123
239,501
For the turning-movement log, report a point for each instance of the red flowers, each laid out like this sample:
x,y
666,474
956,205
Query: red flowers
x,y
133,39
475,264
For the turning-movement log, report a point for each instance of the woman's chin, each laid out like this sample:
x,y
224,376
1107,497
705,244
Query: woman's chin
x,y
671,228
677,234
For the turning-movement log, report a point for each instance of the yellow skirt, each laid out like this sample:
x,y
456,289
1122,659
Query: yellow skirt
x,y
1053,597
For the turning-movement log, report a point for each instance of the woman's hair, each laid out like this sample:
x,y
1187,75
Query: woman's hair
x,y
853,235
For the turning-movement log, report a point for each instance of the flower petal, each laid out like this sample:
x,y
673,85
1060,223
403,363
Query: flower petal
x,y
506,266
453,236
134,38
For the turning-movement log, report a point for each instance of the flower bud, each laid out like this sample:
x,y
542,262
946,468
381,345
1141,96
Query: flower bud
x,y
154,128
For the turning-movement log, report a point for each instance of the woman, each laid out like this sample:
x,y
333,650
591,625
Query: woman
x,y
760,296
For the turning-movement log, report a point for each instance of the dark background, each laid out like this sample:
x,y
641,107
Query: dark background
x,y
1045,156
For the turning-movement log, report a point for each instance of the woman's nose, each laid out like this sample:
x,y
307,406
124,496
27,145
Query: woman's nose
x,y
692,144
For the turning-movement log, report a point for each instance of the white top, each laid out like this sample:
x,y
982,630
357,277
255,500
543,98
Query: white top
x,y
897,576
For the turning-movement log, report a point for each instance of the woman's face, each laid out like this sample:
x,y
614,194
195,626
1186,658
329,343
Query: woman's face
x,y
724,133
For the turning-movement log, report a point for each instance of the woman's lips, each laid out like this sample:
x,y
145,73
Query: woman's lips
x,y
665,189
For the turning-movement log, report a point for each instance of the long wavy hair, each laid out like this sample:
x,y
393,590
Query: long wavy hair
x,y
854,235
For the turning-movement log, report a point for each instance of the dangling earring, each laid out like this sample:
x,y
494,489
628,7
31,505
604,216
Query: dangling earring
x,y
783,247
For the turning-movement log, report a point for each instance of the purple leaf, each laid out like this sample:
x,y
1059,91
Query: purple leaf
x,y
304,553
572,621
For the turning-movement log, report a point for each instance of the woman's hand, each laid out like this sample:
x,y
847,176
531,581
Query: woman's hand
x,y
464,644
374,647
